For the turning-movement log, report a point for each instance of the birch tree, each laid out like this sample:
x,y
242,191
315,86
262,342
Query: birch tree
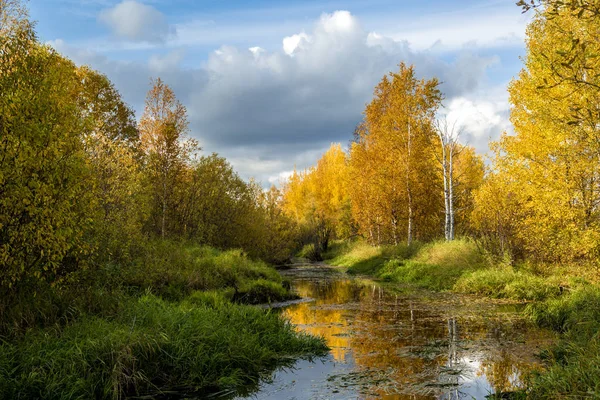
x,y
450,148
163,134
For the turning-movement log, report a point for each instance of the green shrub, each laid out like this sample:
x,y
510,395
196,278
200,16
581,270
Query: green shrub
x,y
310,252
263,291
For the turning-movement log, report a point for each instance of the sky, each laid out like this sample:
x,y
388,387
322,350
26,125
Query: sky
x,y
270,85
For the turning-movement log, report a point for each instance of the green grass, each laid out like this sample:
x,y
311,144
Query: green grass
x,y
435,266
508,283
310,252
574,362
173,270
205,343
361,258
173,319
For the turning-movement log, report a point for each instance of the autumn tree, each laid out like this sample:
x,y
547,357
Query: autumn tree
x,y
218,204
163,134
550,168
318,199
397,146
104,108
43,199
468,171
462,173
277,234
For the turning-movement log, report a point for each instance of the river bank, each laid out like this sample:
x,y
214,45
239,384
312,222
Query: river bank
x,y
177,322
410,344
561,298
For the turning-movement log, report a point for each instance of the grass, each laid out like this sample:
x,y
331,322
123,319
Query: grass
x,y
574,362
509,284
203,343
361,258
435,265
310,252
175,319
173,270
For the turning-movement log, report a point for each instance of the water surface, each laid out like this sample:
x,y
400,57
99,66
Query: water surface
x,y
416,345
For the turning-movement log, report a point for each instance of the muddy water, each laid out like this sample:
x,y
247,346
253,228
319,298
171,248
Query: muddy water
x,y
413,345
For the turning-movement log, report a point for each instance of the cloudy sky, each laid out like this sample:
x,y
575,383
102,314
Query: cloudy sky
x,y
270,84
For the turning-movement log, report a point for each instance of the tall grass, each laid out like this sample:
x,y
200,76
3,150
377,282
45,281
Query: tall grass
x,y
574,362
173,270
169,269
196,346
510,284
170,320
435,266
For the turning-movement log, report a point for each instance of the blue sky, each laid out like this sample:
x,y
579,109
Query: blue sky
x,y
271,84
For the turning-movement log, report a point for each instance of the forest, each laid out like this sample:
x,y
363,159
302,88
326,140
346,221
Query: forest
x,y
131,262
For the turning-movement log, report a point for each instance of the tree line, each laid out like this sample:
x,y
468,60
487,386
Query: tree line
x,y
82,184
407,177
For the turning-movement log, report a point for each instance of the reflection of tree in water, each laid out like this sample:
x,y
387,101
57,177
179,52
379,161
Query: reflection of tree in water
x,y
331,323
414,348
506,371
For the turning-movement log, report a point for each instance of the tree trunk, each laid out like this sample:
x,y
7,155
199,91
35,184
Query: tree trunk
x,y
451,193
164,207
409,191
395,227
446,191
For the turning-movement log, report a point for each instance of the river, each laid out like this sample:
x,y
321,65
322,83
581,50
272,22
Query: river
x,y
400,345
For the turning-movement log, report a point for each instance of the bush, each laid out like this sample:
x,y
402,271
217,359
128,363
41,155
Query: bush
x,y
310,252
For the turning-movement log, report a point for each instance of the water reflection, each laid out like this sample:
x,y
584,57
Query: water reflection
x,y
417,346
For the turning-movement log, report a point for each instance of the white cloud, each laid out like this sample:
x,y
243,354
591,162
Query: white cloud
x,y
135,21
291,43
267,111
280,177
482,117
339,22
491,25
